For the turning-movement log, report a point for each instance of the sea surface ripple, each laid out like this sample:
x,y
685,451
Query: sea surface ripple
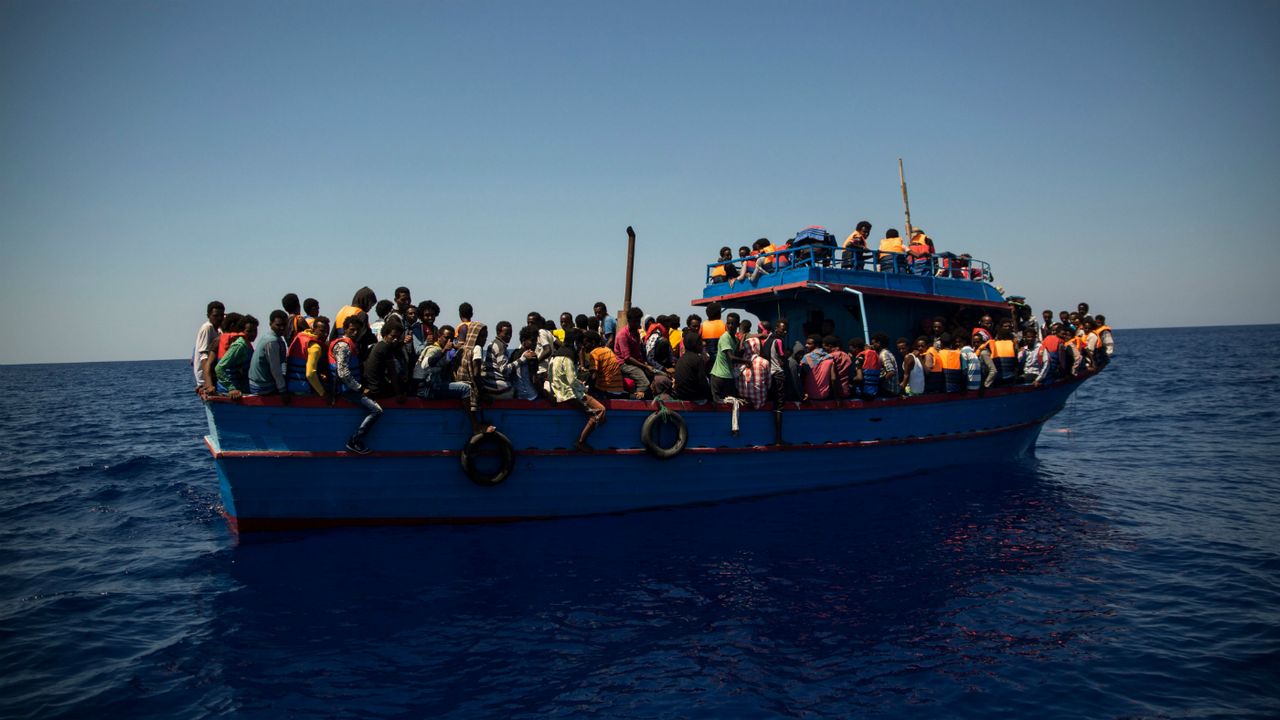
x,y
1130,569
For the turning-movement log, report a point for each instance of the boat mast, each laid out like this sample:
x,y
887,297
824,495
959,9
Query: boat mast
x,y
906,204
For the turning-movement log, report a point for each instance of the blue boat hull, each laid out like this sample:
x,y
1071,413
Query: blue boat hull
x,y
282,466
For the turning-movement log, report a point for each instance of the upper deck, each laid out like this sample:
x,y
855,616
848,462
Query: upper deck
x,y
941,278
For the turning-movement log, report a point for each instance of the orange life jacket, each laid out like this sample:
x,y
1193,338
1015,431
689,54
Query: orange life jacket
x,y
937,359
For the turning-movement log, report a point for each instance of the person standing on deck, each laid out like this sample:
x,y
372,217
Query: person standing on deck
x,y
913,369
816,370
206,345
1104,335
866,368
361,303
344,368
608,326
753,376
295,321
931,362
722,384
714,327
842,370
972,363
888,365
690,374
266,368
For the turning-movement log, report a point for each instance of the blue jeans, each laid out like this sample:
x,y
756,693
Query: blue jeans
x,y
370,419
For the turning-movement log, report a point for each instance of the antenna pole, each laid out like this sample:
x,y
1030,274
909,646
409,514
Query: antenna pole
x,y
906,204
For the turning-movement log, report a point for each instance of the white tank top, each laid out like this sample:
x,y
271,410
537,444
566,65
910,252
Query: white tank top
x,y
915,380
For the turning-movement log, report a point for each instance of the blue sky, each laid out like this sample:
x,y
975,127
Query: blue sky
x,y
156,155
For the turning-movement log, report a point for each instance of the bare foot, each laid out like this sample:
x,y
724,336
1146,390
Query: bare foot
x,y
584,448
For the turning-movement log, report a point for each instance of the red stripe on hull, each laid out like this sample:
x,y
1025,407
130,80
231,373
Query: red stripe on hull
x,y
790,447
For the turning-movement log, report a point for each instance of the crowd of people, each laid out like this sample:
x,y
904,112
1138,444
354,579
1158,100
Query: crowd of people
x,y
814,245
374,350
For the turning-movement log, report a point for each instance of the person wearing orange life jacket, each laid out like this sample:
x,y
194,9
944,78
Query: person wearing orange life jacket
x,y
1104,335
953,376
1004,355
344,368
855,247
890,258
763,264
362,302
920,250
931,360
720,273
306,361
866,363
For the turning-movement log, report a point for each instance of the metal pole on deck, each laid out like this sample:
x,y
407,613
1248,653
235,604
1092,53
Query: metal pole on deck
x,y
906,204
631,260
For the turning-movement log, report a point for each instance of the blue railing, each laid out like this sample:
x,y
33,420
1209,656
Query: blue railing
x,y
945,265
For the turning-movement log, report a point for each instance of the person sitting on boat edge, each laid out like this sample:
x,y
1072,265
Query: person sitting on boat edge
x,y
431,372
526,365
602,372
567,388
381,377
630,352
891,259
722,273
232,369
345,369
206,345
424,330
499,370
306,368
470,372
1104,335
266,367
855,247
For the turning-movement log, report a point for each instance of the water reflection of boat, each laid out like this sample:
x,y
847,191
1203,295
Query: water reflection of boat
x,y
799,602
282,466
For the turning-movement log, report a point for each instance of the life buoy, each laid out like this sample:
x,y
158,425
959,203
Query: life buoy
x,y
649,432
485,443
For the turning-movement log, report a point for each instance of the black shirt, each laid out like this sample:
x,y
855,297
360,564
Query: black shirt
x,y
380,369
691,377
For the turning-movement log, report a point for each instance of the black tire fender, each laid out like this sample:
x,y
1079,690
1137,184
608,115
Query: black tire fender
x,y
475,446
649,431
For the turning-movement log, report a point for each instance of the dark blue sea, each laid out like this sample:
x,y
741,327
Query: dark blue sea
x,y
1131,569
